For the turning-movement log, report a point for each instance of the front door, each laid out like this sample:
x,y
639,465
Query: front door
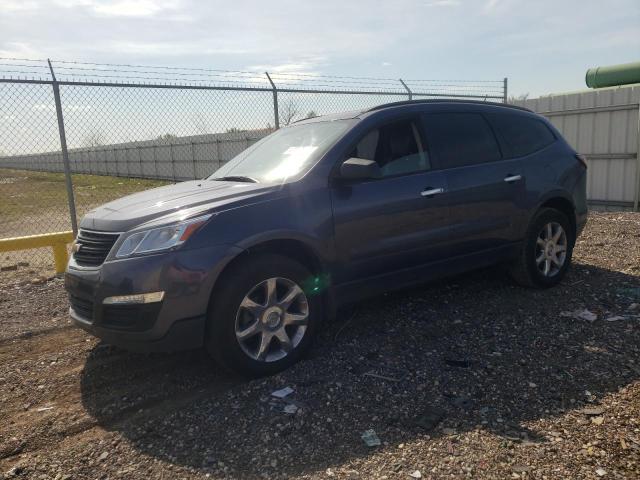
x,y
395,222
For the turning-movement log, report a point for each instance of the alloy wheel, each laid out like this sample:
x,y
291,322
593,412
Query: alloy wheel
x,y
272,319
551,249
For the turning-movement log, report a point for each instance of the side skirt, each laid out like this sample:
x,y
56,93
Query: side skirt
x,y
399,279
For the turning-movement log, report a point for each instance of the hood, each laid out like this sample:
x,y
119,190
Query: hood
x,y
172,200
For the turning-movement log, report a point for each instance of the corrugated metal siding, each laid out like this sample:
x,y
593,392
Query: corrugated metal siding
x,y
602,124
181,158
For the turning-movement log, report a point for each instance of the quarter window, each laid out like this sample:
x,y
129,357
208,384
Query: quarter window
x,y
397,148
459,139
522,134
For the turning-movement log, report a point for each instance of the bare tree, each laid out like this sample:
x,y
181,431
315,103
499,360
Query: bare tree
x,y
518,98
94,138
167,138
200,123
288,113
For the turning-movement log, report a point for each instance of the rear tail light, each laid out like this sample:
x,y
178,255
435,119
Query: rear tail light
x,y
582,159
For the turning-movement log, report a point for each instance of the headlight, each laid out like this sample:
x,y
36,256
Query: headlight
x,y
161,238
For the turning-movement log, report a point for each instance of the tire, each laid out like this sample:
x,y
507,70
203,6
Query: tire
x,y
240,308
528,270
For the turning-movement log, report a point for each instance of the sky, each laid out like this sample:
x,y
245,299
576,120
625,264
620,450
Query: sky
x,y
542,46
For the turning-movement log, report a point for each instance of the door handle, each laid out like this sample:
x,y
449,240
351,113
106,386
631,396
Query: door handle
x,y
431,191
512,178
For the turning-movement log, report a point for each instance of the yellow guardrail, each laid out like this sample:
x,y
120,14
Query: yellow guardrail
x,y
57,241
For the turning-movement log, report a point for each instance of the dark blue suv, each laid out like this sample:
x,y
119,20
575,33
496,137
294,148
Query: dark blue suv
x,y
325,212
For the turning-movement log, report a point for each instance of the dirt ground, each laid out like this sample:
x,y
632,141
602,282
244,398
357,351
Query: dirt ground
x,y
472,377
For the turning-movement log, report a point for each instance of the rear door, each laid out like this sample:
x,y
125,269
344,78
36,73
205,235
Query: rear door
x,y
486,191
395,222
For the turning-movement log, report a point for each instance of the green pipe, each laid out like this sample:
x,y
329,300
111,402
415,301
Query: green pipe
x,y
613,75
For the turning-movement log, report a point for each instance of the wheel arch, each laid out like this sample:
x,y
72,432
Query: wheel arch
x,y
293,248
564,205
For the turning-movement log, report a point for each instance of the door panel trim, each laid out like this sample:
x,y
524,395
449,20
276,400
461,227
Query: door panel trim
x,y
398,279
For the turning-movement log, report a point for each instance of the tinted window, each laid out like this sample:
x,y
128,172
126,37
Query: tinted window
x,y
523,135
396,147
459,139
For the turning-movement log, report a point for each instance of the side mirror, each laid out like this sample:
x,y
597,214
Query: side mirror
x,y
360,169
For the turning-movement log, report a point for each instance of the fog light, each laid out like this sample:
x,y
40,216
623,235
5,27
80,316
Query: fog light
x,y
134,299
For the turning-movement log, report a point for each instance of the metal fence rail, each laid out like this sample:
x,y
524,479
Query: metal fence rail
x,y
75,135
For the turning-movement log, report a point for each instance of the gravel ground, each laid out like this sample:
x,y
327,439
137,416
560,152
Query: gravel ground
x,y
471,377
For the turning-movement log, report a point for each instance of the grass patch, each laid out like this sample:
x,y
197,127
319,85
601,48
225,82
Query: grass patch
x,y
26,194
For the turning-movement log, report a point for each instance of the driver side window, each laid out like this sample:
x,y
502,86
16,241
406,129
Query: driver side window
x,y
397,148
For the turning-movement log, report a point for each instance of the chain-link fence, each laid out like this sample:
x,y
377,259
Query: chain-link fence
x,y
129,128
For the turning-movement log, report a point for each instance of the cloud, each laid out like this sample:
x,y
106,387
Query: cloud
x,y
39,107
443,3
439,39
491,4
133,8
122,8
305,67
19,5
20,50
290,72
171,48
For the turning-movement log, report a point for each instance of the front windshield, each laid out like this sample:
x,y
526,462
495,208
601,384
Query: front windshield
x,y
285,154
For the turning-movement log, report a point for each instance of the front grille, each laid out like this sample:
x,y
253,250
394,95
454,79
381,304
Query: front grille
x,y
82,307
92,248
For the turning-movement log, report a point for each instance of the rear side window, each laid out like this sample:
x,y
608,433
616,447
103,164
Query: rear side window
x,y
523,135
459,139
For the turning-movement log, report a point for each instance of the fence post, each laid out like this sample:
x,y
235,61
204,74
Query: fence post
x,y
193,159
173,162
636,198
407,89
155,160
504,90
219,160
126,160
65,152
276,115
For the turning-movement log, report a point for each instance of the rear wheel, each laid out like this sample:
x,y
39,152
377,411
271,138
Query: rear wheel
x,y
263,318
546,253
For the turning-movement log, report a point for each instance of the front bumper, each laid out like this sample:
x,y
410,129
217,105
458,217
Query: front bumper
x,y
176,323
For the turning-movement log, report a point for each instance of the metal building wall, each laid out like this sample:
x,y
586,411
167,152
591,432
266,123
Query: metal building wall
x,y
181,158
604,125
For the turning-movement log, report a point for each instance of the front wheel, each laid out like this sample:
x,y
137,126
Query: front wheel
x,y
264,316
546,253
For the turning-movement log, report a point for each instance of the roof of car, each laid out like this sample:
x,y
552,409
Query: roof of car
x,y
444,101
359,113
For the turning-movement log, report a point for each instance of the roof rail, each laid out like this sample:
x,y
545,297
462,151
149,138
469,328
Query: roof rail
x,y
451,100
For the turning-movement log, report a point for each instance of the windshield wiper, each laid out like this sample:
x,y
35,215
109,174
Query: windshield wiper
x,y
236,178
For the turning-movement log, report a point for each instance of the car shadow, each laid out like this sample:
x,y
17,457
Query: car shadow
x,y
470,352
